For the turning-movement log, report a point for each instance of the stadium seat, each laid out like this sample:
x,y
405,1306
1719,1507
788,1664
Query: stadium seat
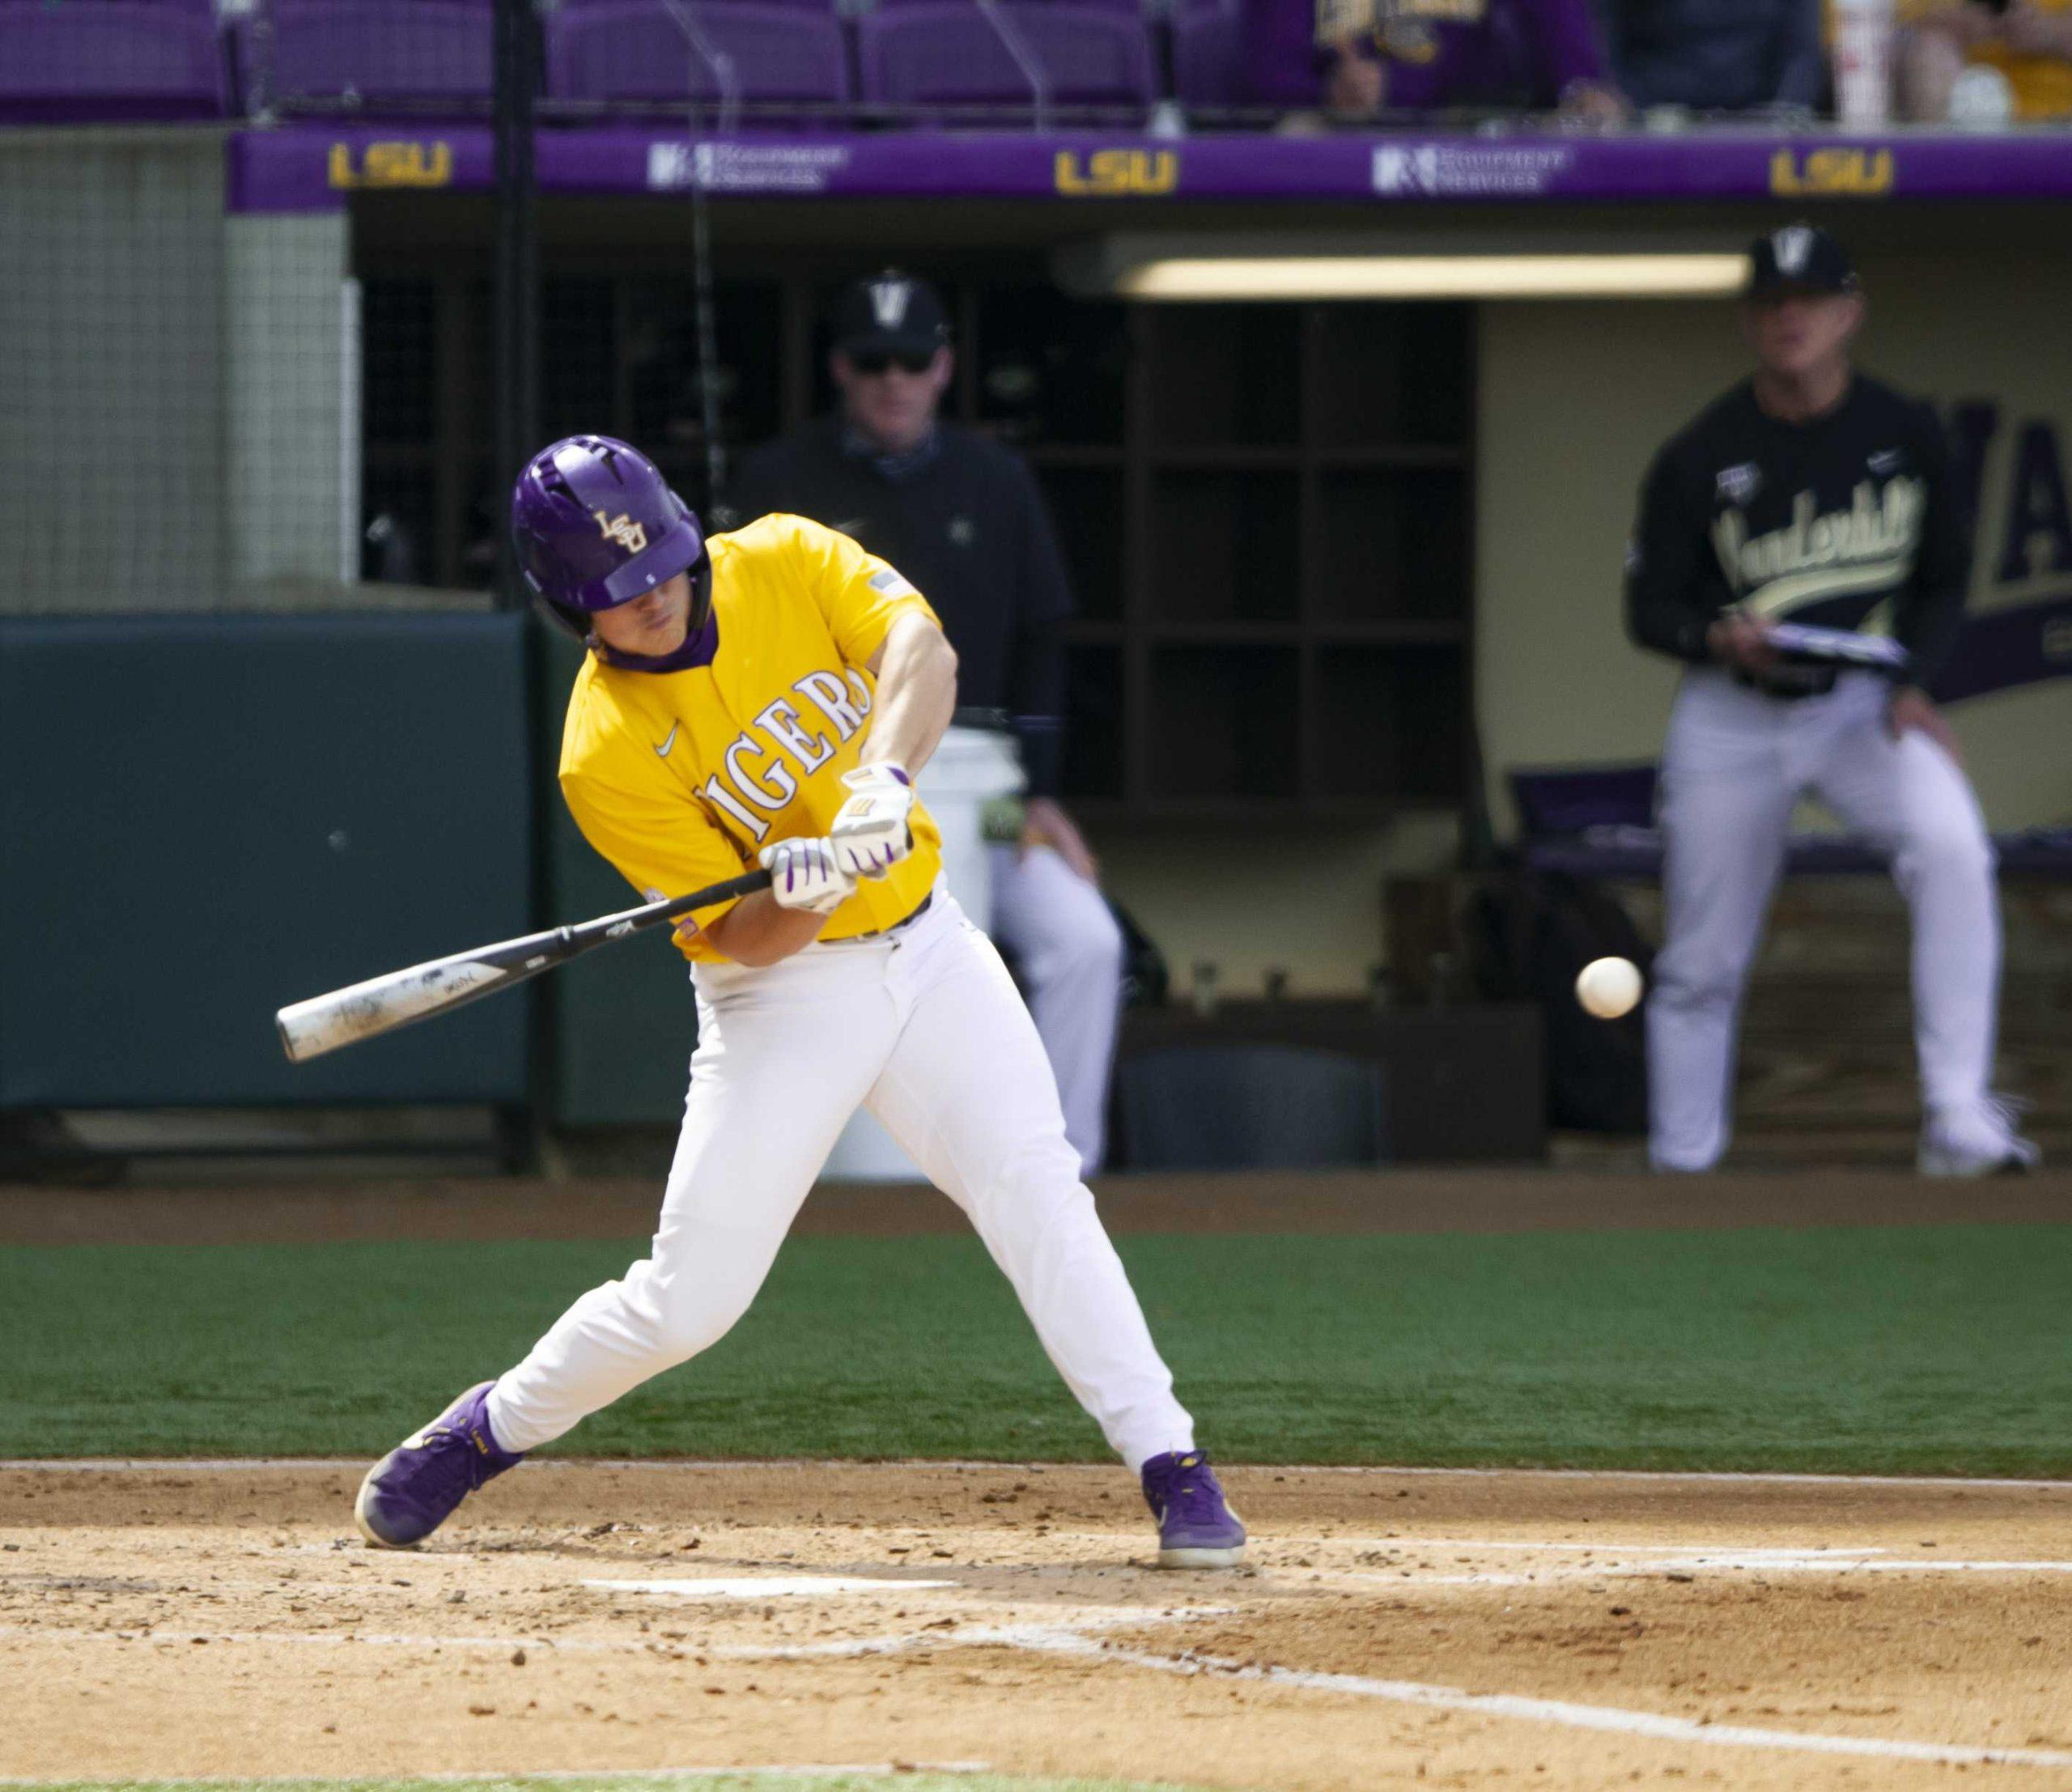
x,y
1209,54
636,50
116,60
946,53
376,52
930,54
1091,54
1132,8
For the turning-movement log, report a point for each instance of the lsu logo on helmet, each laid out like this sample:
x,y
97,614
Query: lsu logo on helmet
x,y
622,529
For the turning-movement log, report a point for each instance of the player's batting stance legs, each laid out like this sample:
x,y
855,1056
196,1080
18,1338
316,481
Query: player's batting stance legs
x,y
928,1026
720,721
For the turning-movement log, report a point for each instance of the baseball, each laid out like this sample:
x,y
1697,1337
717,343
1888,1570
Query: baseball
x,y
1608,987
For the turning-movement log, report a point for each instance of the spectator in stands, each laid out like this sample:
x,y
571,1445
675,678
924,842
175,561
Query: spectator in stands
x,y
960,515
1361,57
2029,42
1718,55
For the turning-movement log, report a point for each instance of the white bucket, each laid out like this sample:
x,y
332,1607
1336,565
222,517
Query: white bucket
x,y
971,768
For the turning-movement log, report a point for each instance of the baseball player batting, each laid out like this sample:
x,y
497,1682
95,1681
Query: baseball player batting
x,y
1814,493
765,698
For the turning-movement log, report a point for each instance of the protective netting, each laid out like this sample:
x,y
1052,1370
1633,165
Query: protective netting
x,y
178,388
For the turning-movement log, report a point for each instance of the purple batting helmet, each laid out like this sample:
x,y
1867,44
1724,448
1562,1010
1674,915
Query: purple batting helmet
x,y
597,526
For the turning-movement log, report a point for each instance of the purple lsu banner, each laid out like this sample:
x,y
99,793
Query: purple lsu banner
x,y
313,167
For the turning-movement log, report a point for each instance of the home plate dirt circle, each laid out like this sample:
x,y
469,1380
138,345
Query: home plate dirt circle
x,y
1459,1629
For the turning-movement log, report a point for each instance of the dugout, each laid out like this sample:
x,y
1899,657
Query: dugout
x,y
1337,561
1340,564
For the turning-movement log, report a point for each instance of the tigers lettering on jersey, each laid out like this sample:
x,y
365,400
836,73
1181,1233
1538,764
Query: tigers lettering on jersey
x,y
680,778
844,701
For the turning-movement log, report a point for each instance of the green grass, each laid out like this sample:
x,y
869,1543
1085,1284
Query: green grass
x,y
1926,1350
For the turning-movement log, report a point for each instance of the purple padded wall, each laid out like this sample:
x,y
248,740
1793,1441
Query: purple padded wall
x,y
635,50
114,59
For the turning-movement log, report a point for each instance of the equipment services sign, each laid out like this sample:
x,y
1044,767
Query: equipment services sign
x,y
745,167
1437,171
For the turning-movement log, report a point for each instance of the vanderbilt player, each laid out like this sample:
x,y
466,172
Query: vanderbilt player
x,y
1813,492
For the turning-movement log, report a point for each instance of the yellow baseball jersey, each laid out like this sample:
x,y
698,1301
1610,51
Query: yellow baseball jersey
x,y
680,779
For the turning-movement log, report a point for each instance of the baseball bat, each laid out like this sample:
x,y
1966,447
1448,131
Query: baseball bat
x,y
345,1017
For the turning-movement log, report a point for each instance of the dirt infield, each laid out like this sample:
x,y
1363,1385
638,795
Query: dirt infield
x,y
1451,1628
480,1209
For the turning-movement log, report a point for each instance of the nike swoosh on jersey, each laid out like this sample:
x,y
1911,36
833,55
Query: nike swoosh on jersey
x,y
1883,461
662,751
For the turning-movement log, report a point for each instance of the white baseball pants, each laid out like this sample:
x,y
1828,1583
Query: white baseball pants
x,y
1070,951
1736,763
925,1028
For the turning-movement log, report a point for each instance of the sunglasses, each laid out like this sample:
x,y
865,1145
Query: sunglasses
x,y
875,361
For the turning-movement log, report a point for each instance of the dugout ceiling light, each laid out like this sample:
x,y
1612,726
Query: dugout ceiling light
x,y
1182,271
1438,277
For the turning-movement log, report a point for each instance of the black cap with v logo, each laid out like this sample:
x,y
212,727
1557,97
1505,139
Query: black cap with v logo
x,y
1798,258
890,313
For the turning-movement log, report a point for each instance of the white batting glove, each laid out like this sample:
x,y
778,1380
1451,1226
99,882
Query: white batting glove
x,y
805,874
871,834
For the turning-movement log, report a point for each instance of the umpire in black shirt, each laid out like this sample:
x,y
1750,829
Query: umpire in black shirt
x,y
961,517
1811,494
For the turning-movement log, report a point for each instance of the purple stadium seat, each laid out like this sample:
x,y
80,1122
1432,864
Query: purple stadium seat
x,y
115,59
1134,8
1091,54
933,53
1209,55
947,52
378,51
635,50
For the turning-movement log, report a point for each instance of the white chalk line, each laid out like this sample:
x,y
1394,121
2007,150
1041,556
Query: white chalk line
x,y
357,1466
1653,1725
759,1586
832,1649
1657,1571
1607,1564
1051,1639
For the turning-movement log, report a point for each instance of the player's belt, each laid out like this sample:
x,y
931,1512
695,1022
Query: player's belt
x,y
907,919
1790,682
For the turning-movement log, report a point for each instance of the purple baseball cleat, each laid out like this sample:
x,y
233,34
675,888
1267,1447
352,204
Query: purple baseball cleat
x,y
413,1490
1196,1527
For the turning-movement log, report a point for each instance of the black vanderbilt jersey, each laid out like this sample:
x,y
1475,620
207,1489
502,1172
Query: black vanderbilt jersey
x,y
1852,520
